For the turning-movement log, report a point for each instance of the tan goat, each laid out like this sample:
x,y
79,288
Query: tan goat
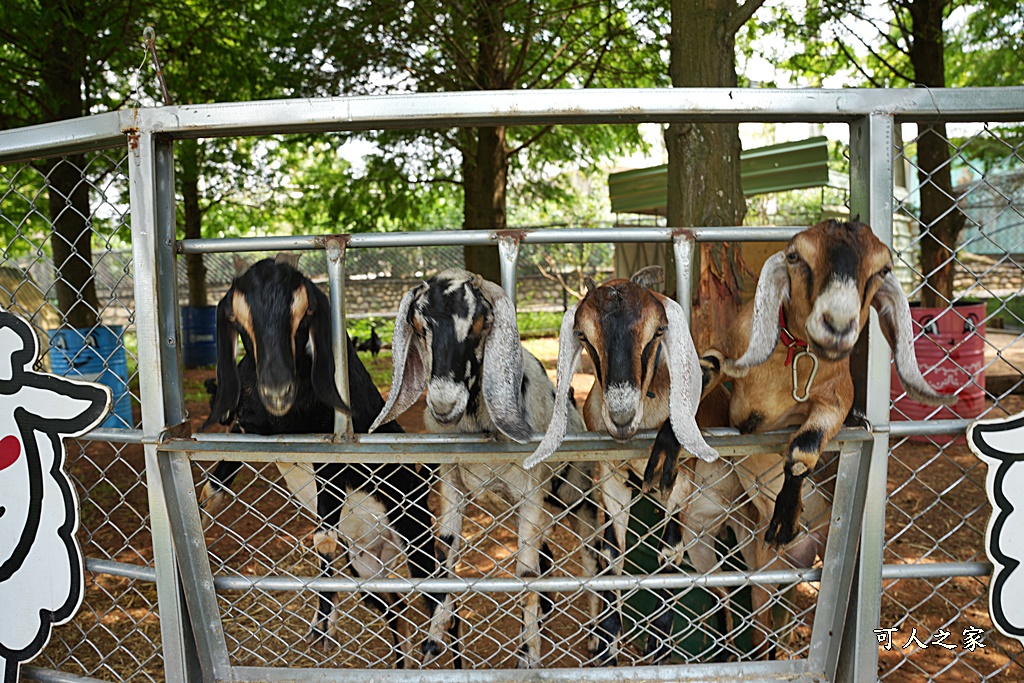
x,y
792,347
647,369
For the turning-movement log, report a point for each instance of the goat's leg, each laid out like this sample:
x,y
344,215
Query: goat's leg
x,y
674,544
330,498
660,473
704,559
299,478
604,643
216,491
533,522
822,424
413,525
447,544
326,544
584,521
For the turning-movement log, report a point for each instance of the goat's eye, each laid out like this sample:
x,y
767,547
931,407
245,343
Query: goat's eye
x,y
660,331
581,336
884,272
792,257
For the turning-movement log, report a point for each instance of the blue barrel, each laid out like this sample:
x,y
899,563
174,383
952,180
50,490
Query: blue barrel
x,y
199,336
95,355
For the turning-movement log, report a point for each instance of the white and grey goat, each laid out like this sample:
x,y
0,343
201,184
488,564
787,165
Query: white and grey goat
x,y
456,336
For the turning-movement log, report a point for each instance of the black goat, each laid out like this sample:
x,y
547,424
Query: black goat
x,y
285,385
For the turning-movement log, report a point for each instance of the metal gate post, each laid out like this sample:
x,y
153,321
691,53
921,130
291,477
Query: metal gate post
x,y
151,175
871,185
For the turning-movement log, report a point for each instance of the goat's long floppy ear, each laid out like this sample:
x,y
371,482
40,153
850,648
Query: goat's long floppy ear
x,y
685,374
228,385
895,321
569,350
502,380
322,372
772,291
408,375
649,276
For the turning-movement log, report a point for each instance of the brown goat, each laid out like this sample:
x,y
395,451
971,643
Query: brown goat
x,y
814,297
647,369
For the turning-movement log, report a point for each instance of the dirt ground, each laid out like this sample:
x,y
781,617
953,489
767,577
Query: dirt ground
x,y
937,512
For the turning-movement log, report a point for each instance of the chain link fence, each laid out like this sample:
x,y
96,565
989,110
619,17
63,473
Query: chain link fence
x,y
936,512
972,339
88,332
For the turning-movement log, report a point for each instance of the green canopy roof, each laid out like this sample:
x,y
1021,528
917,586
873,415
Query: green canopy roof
x,y
775,168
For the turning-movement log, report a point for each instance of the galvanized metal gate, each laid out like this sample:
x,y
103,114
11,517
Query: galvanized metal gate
x,y
239,614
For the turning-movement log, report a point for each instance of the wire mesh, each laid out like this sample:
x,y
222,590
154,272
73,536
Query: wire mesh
x,y
936,513
972,339
116,633
264,528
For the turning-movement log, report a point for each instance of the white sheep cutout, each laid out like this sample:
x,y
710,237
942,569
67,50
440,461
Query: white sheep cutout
x,y
999,444
41,571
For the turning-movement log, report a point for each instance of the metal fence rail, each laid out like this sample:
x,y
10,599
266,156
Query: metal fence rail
x,y
250,576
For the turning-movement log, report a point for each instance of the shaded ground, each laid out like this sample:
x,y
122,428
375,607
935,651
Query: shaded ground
x,y
937,513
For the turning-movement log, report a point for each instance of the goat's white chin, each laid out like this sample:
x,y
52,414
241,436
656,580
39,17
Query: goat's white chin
x,y
830,352
623,400
449,418
621,433
447,400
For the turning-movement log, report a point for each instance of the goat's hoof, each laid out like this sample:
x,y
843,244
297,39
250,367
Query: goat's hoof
x,y
317,638
431,649
527,658
655,652
601,653
672,557
779,533
213,500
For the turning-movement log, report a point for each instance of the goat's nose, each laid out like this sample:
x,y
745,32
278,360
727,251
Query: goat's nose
x,y
278,398
836,327
622,418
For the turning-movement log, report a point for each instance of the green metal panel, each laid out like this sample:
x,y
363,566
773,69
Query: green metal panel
x,y
775,168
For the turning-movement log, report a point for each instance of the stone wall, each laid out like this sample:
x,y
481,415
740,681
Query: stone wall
x,y
998,277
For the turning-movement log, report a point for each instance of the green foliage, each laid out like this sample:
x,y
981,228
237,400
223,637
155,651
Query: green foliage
x,y
359,328
533,323
870,42
1008,312
984,48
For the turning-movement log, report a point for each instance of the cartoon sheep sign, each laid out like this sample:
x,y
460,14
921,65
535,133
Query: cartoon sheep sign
x,y
40,562
1000,444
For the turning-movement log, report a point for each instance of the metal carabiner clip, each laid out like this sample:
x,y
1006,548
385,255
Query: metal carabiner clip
x,y
810,380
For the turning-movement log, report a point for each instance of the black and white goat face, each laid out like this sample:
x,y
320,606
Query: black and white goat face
x,y
456,335
452,319
283,320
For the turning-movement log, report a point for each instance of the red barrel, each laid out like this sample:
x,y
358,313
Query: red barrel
x,y
950,351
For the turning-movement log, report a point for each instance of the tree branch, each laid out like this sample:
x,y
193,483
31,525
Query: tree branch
x,y
742,15
856,65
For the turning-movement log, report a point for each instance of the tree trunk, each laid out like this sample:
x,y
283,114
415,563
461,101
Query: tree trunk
x,y
489,177
197,295
941,221
72,241
63,70
490,180
704,160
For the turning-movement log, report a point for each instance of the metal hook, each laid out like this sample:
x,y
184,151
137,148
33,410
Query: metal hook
x,y
810,380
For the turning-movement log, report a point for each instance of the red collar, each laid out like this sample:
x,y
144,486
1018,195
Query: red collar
x,y
788,340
